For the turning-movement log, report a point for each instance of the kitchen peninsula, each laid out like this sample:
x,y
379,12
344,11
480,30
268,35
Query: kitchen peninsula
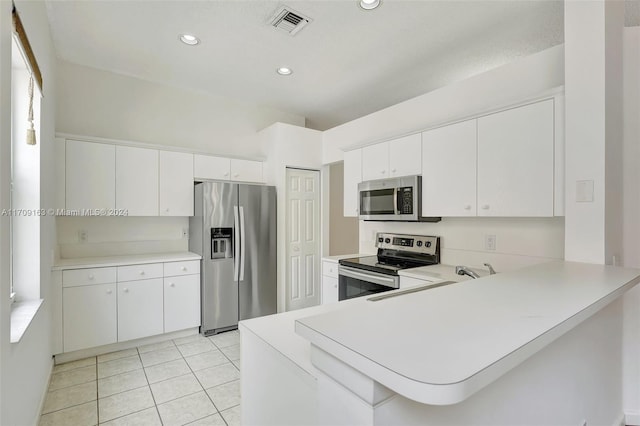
x,y
540,345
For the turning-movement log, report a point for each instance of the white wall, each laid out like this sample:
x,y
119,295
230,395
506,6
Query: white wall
x,y
99,103
519,241
118,236
285,146
25,366
631,359
504,85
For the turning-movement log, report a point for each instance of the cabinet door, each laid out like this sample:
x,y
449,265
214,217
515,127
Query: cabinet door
x,y
181,302
352,177
139,309
246,170
449,170
89,316
375,161
209,167
405,156
329,290
515,161
176,184
90,178
137,180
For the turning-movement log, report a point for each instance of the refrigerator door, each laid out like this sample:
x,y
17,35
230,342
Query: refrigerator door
x,y
257,287
219,282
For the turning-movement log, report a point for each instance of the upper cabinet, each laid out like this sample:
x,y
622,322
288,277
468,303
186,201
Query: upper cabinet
x,y
516,161
449,170
220,168
405,156
209,167
137,180
90,179
500,164
397,157
176,184
246,170
352,177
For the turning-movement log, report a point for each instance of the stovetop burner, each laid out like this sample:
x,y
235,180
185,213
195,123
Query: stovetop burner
x,y
397,252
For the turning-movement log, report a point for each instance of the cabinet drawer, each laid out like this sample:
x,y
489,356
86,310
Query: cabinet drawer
x,y
140,272
188,267
89,276
330,269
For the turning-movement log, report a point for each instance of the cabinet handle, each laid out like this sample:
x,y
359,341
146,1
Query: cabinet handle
x,y
172,285
126,290
141,272
467,207
91,276
485,207
335,286
383,171
108,291
166,210
392,171
236,175
226,174
184,268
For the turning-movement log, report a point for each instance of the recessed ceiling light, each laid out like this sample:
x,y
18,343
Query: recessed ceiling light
x,y
189,39
369,4
284,71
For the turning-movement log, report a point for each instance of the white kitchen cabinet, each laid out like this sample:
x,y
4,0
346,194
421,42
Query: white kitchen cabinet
x,y
89,316
246,170
176,184
90,175
210,167
181,302
405,156
449,170
140,309
137,180
329,282
516,161
375,161
352,177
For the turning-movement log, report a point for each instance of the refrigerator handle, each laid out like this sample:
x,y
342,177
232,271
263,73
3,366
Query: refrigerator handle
x,y
236,244
242,243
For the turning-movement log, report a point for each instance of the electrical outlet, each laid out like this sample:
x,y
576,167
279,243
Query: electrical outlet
x,y
185,233
83,235
489,242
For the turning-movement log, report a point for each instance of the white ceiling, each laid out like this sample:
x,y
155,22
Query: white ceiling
x,y
347,63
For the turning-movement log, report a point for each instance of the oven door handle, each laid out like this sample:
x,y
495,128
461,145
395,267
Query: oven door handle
x,y
375,279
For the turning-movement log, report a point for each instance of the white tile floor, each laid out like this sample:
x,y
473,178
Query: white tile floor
x,y
193,380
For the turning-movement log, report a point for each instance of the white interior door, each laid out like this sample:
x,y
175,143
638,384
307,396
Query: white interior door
x,y
303,238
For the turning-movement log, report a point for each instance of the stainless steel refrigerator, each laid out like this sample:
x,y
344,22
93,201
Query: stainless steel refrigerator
x,y
234,230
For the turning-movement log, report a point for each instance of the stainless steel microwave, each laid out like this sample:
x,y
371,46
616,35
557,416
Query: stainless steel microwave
x,y
397,199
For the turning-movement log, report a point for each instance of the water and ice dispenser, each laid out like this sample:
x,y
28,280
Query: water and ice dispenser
x,y
221,243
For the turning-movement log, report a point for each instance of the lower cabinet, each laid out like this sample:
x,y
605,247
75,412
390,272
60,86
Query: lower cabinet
x,y
140,309
89,316
97,312
329,282
181,302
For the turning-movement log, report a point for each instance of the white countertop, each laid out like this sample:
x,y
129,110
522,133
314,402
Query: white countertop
x,y
338,257
441,345
134,259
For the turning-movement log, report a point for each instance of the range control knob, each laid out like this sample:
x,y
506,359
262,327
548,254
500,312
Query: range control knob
x,y
387,240
380,239
419,243
428,244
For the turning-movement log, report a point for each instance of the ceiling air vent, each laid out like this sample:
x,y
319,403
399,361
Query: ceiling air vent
x,y
286,19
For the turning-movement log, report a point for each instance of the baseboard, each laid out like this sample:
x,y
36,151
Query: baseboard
x,y
100,350
43,398
632,417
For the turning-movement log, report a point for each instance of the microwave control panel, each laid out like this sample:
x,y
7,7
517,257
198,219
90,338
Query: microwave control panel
x,y
405,200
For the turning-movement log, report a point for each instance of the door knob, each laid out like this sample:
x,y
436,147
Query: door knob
x,y
296,248
126,290
172,285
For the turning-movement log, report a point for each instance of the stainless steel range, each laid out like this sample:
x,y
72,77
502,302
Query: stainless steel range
x,y
361,276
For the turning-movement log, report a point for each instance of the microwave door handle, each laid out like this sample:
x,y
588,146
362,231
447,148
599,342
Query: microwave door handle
x,y
396,201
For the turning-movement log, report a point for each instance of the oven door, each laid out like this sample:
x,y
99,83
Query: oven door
x,y
354,282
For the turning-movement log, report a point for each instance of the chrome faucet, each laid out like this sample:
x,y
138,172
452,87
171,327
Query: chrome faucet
x,y
491,270
463,270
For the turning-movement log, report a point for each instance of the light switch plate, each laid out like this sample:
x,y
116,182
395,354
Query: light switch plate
x,y
584,191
